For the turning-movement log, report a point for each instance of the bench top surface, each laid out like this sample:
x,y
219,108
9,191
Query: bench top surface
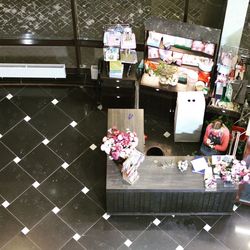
x,y
154,176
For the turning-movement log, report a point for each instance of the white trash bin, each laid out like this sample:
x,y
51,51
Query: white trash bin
x,y
189,115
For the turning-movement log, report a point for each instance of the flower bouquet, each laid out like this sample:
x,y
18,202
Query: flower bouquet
x,y
235,172
239,172
119,144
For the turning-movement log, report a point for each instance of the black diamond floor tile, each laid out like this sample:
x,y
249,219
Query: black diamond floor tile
x,y
81,213
205,241
1,199
98,193
131,226
210,219
58,92
41,162
13,90
50,121
16,139
51,233
13,182
154,238
77,104
244,211
69,144
89,168
20,242
6,156
73,245
10,115
182,228
30,207
94,126
232,231
155,128
3,93
102,236
60,187
31,100
9,226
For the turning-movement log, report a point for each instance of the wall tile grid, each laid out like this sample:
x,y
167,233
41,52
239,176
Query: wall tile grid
x,y
45,19
93,15
51,19
245,40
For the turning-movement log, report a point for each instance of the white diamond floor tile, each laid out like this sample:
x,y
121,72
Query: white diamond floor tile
x,y
128,243
17,159
55,101
55,210
85,190
25,230
156,222
5,204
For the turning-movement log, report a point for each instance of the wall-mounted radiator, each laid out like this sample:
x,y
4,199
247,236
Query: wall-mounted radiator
x,y
19,70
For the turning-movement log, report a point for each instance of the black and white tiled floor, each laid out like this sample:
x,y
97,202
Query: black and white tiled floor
x,y
52,182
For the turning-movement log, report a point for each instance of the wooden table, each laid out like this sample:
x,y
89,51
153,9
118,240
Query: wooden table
x,y
132,119
165,190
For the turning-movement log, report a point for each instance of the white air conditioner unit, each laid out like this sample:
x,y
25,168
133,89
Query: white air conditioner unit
x,y
19,70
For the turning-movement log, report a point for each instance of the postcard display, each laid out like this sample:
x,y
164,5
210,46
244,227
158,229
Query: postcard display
x,y
119,49
230,88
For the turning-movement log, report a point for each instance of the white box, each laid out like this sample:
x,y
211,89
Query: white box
x,y
189,115
94,72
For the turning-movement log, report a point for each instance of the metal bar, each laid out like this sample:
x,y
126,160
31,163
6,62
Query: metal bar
x,y
238,134
46,42
185,17
36,42
76,35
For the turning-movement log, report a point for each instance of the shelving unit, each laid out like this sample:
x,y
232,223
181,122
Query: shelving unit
x,y
163,97
118,83
118,93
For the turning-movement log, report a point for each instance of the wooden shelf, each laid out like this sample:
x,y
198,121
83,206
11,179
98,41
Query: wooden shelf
x,y
221,111
190,52
167,88
131,77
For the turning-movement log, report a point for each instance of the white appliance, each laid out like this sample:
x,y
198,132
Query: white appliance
x,y
189,115
19,70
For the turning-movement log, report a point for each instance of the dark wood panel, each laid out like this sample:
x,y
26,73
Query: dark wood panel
x,y
139,202
118,83
119,101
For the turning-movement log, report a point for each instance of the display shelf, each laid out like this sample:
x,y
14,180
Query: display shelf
x,y
190,52
225,112
188,35
188,66
167,88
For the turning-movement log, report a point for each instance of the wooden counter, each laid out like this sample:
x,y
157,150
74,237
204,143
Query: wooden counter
x,y
165,191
